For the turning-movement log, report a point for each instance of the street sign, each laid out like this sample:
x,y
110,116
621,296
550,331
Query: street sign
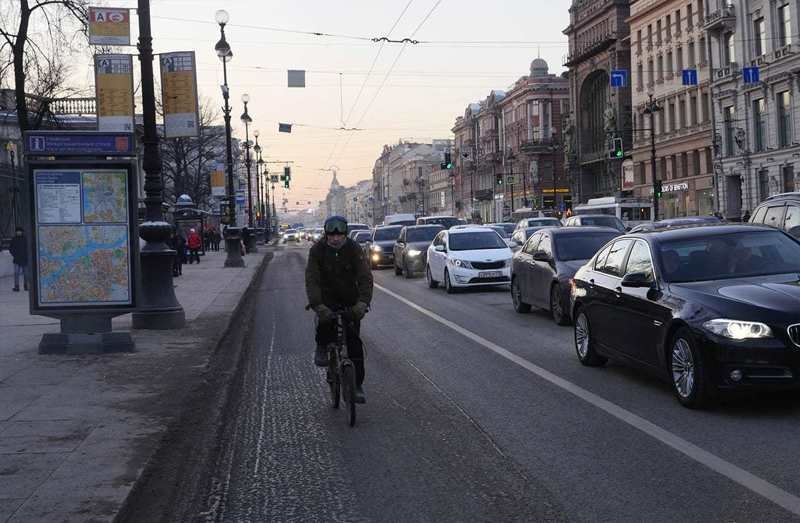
x,y
113,80
690,77
297,78
179,94
751,75
274,178
72,143
619,78
109,26
218,181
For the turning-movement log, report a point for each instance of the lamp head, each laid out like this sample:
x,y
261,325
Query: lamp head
x,y
222,17
245,98
256,133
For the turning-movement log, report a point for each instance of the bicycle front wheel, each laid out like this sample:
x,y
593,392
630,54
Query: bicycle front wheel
x,y
349,391
333,382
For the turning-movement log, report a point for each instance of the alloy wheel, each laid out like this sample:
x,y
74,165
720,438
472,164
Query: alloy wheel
x,y
683,368
582,335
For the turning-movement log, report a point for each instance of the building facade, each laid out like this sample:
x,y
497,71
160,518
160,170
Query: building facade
x,y
599,44
756,132
668,37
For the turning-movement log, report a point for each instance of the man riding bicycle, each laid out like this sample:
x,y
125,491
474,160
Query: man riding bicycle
x,y
338,277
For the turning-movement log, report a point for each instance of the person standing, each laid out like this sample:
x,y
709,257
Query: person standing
x,y
194,242
19,253
176,243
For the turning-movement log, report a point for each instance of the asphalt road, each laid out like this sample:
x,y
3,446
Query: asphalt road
x,y
477,413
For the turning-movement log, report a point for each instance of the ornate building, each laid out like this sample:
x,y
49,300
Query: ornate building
x,y
598,44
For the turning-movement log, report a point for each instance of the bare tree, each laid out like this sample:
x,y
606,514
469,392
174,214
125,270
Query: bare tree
x,y
39,58
187,162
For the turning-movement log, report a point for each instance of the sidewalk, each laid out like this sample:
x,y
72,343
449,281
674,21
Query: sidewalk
x,y
76,431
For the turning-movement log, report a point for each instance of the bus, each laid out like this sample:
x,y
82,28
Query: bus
x,y
631,211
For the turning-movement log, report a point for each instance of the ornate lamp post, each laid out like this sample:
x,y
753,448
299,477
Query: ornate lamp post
x,y
250,240
158,306
651,108
233,257
259,175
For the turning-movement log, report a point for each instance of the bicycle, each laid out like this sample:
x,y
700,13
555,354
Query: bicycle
x,y
341,372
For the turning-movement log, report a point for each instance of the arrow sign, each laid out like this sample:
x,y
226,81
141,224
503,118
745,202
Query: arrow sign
x,y
690,77
619,78
751,75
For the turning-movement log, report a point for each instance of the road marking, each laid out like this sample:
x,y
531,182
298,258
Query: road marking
x,y
744,478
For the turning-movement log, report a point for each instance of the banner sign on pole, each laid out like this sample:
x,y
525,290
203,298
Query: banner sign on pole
x,y
113,80
179,94
77,143
297,78
109,26
273,178
284,128
218,181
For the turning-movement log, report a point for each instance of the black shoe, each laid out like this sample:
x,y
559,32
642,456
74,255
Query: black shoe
x,y
15,289
321,356
358,395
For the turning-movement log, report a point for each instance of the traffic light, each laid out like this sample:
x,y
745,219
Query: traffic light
x,y
658,189
616,151
448,161
287,172
286,181
498,178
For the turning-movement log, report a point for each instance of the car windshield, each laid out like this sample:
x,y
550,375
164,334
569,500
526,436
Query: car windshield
x,y
290,231
361,236
570,247
386,234
543,222
423,234
501,231
473,241
603,221
445,222
730,255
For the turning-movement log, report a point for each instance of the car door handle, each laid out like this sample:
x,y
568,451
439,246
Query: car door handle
x,y
591,283
618,292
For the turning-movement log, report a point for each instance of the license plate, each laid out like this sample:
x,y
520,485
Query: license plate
x,y
490,274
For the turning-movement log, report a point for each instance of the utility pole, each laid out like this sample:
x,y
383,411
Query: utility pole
x,y
651,109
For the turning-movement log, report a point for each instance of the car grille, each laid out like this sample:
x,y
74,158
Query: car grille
x,y
794,334
488,265
501,279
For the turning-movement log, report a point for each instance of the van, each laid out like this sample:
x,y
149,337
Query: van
x,y
444,221
400,219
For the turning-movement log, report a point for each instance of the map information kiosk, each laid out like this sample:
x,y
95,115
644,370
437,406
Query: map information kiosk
x,y
84,237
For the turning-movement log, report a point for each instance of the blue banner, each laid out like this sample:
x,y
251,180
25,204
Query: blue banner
x,y
78,144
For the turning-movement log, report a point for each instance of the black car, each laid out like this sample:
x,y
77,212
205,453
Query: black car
x,y
781,211
541,271
676,222
709,308
411,248
380,247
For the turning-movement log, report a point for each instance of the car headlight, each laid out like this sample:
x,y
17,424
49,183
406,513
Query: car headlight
x,y
738,330
461,263
376,248
414,252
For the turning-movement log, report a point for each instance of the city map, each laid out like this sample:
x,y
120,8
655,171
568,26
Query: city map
x,y
105,197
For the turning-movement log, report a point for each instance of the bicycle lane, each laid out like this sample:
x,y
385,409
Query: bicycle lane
x,y
559,436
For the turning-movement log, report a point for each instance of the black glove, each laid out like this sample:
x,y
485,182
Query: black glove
x,y
360,310
324,314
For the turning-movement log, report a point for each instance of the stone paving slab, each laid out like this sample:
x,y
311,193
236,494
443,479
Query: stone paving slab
x,y
77,431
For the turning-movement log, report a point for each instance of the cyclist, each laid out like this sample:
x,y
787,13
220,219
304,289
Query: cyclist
x,y
338,276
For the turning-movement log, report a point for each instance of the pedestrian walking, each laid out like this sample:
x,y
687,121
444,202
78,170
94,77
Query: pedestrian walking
x,y
194,242
178,245
217,239
19,254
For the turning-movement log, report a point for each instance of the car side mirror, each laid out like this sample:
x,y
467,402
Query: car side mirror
x,y
637,280
794,232
542,256
439,248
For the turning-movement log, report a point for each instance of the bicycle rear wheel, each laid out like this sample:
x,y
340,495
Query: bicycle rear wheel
x,y
349,391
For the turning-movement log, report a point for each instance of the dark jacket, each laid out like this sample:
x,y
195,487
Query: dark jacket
x,y
338,277
19,250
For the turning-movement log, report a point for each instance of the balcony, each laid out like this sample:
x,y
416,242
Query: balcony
x,y
538,146
721,19
726,72
604,42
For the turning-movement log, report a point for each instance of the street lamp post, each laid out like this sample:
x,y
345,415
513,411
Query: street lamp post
x,y
14,190
233,237
250,241
158,307
651,109
259,167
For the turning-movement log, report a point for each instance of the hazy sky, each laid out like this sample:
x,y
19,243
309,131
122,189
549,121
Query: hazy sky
x,y
428,88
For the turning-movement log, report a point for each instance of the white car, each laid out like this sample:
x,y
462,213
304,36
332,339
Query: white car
x,y
468,256
291,235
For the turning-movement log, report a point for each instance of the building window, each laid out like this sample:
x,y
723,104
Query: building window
x,y
679,60
660,68
690,61
729,114
689,17
649,36
682,112
640,79
788,178
684,165
702,51
695,162
662,122
650,71
669,64
784,25
671,113
678,22
763,183
759,36
704,107
669,28
784,119
759,125
639,41
730,49
693,110
658,32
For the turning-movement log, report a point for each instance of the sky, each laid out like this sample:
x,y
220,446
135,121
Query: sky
x,y
424,86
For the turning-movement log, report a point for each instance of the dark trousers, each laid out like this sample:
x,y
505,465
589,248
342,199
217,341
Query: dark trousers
x,y
194,254
326,333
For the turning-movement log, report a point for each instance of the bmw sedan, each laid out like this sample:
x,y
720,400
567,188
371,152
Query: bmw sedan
x,y
411,248
541,271
710,308
468,256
